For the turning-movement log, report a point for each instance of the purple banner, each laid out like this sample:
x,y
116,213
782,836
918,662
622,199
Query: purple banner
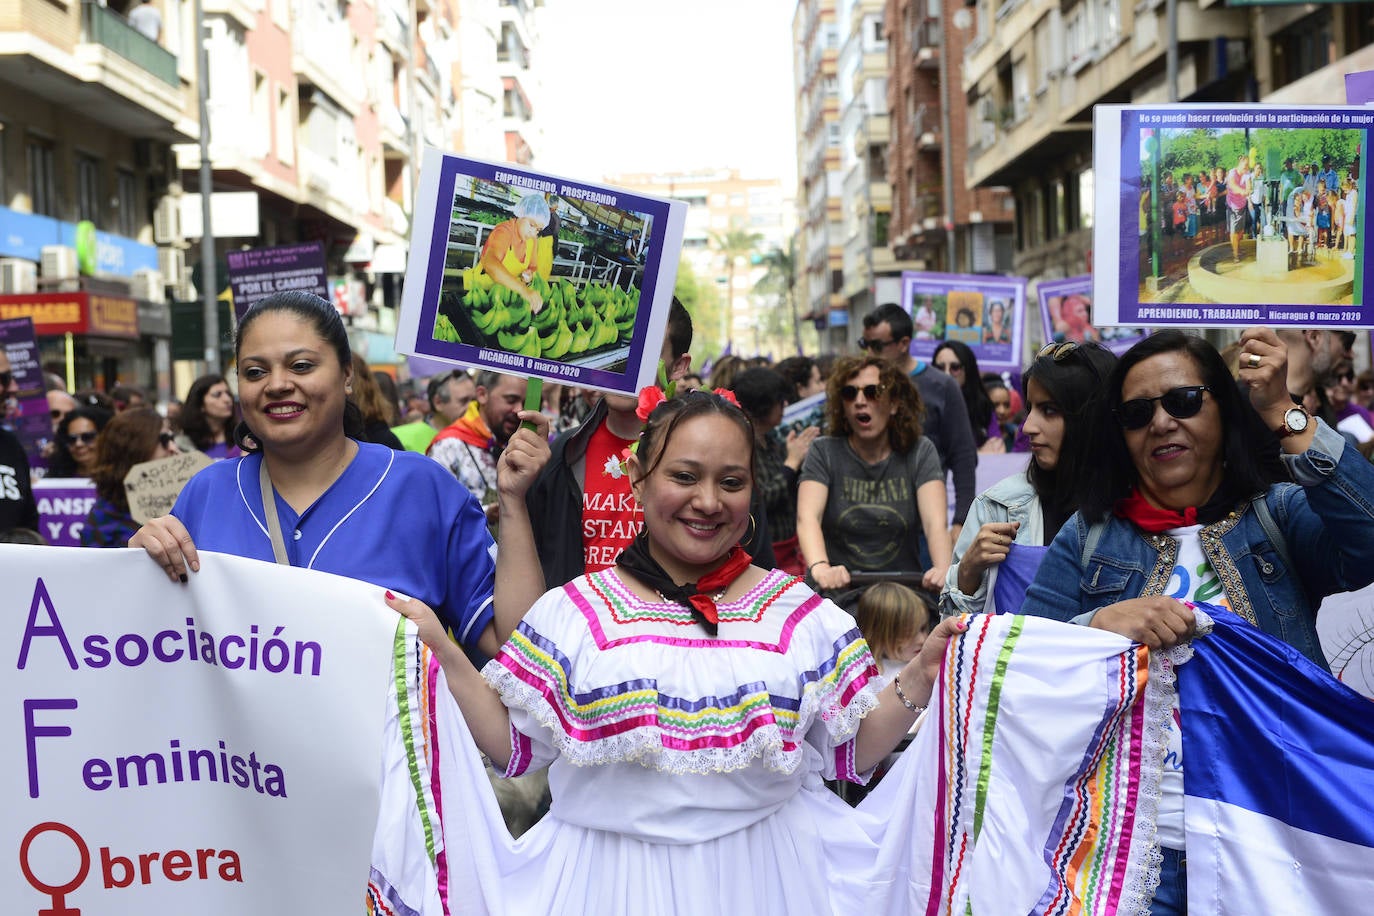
x,y
256,273
985,312
1066,314
63,504
1227,215
27,412
539,276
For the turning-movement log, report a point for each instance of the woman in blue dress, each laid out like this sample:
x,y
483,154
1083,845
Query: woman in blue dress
x,y
308,493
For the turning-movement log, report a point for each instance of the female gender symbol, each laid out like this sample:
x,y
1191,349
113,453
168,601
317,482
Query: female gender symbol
x,y
58,893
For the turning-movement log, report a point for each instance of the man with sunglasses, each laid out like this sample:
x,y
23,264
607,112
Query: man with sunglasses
x,y
17,506
887,333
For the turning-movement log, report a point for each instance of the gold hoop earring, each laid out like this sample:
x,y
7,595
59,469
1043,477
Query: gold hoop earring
x,y
752,529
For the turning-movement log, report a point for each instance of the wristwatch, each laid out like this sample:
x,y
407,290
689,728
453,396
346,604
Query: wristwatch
x,y
1295,420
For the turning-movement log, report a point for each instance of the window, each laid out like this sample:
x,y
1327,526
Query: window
x,y
286,127
832,134
126,198
42,178
1085,199
1304,47
1058,222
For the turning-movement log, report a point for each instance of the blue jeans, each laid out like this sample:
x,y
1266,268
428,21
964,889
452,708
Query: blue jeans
x,y
1171,899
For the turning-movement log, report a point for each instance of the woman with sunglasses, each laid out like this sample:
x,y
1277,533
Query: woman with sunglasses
x,y
1351,418
874,486
1177,508
132,437
956,360
1011,523
74,454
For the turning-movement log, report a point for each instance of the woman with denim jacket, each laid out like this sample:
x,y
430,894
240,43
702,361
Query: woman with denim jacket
x,y
1023,513
1179,508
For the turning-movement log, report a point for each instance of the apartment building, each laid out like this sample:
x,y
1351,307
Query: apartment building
x,y
871,268
320,108
721,202
820,180
940,222
1035,68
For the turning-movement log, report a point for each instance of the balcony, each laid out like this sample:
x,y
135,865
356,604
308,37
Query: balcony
x,y
109,29
925,39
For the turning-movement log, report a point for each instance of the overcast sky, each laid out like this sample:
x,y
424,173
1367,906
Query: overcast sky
x,y
646,85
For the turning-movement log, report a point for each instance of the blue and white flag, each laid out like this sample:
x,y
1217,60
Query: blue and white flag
x,y
1279,782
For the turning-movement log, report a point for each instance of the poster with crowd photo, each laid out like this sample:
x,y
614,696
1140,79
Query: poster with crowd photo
x,y
1066,314
535,275
1230,215
985,312
26,413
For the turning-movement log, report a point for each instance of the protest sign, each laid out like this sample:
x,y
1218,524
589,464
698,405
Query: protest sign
x,y
256,273
63,504
1230,215
209,748
798,415
27,414
153,486
539,276
1066,314
985,312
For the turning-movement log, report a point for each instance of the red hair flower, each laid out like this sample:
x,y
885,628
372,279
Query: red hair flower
x,y
727,394
649,398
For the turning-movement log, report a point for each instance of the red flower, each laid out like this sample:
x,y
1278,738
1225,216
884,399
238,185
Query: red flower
x,y
649,398
727,394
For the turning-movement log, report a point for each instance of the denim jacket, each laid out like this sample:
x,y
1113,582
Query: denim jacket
x,y
1327,521
1011,499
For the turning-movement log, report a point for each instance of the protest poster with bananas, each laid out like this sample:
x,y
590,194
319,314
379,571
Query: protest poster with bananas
x,y
539,276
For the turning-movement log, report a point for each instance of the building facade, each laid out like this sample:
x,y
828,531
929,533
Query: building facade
x,y
320,108
940,222
722,203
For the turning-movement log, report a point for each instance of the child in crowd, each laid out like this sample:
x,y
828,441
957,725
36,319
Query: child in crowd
x,y
895,622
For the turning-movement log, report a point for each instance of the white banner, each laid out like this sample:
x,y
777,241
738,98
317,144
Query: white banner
x,y
205,748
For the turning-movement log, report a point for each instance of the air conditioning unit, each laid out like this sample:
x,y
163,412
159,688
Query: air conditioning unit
x,y
18,276
59,262
167,221
147,285
172,263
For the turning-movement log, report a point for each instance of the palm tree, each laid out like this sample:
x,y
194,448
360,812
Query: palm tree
x,y
732,245
780,279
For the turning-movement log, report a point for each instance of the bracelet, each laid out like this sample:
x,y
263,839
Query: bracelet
x,y
817,563
897,686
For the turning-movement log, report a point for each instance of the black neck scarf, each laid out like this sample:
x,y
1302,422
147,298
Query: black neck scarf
x,y
693,595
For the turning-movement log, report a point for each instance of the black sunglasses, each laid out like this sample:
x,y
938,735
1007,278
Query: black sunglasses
x,y
165,439
83,438
1180,403
950,368
870,392
865,344
1346,376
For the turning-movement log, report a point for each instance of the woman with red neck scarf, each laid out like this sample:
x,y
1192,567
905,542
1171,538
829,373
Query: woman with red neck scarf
x,y
1182,508
688,705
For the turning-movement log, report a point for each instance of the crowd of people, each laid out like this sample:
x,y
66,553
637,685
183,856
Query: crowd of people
x,y
696,530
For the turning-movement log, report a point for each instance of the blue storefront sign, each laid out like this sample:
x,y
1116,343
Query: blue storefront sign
x,y
23,235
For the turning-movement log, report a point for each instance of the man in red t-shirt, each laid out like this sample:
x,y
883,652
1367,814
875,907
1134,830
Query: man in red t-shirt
x,y
581,505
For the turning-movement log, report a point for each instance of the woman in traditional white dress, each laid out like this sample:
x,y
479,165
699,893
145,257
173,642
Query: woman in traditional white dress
x,y
688,705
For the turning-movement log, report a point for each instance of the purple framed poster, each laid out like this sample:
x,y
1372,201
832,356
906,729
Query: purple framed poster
x,y
985,312
1230,215
535,275
27,413
256,273
1066,313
